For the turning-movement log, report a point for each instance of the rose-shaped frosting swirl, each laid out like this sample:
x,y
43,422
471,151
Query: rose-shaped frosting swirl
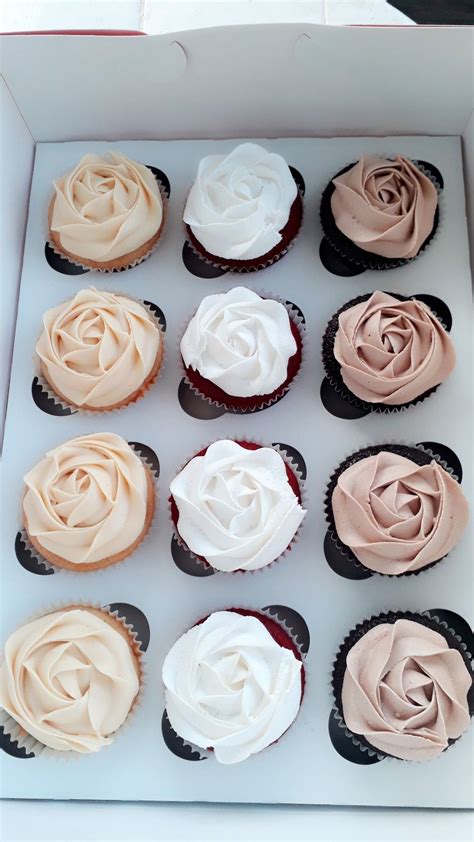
x,y
231,687
397,516
241,342
240,202
87,499
236,507
392,351
405,690
69,679
107,207
98,348
385,207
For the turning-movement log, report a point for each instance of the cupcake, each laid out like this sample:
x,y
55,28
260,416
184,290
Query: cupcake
x,y
237,505
244,209
89,503
242,351
395,509
99,351
379,212
233,684
69,679
107,213
401,683
385,352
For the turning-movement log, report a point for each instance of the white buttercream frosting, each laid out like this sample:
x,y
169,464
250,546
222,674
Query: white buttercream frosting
x,y
240,202
236,507
69,679
241,342
231,687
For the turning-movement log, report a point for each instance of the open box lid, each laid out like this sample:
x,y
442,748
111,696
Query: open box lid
x,y
268,80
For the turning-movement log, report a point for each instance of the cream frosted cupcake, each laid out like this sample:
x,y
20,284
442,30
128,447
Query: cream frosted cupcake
x,y
402,683
244,208
237,505
99,351
241,350
107,213
395,509
70,678
233,684
384,351
89,503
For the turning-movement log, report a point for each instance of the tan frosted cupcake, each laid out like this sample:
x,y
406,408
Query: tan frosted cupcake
x,y
107,213
99,351
70,679
89,503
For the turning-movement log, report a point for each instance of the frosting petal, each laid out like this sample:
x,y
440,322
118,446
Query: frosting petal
x,y
69,679
98,348
392,351
385,207
240,202
106,207
240,341
236,507
397,516
405,690
87,499
229,686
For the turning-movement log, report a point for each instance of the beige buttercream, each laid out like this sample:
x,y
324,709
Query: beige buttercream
x,y
385,207
106,207
98,348
69,679
397,516
87,500
392,351
405,690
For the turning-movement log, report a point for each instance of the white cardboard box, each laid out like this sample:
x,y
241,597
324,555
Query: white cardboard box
x,y
264,81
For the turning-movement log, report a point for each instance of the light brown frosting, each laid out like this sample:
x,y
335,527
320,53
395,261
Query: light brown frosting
x,y
396,516
385,207
107,207
69,679
98,348
87,499
392,351
405,690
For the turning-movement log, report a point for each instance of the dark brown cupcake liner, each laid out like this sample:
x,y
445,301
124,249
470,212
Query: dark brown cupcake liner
x,y
348,250
295,221
417,453
333,369
462,642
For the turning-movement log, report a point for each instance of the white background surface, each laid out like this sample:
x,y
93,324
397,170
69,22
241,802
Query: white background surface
x,y
302,767
153,16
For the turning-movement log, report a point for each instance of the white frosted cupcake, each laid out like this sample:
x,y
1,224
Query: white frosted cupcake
x,y
70,678
107,213
244,208
233,683
100,351
241,350
237,505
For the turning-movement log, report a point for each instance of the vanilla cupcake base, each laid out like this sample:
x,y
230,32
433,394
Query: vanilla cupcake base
x,y
85,567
